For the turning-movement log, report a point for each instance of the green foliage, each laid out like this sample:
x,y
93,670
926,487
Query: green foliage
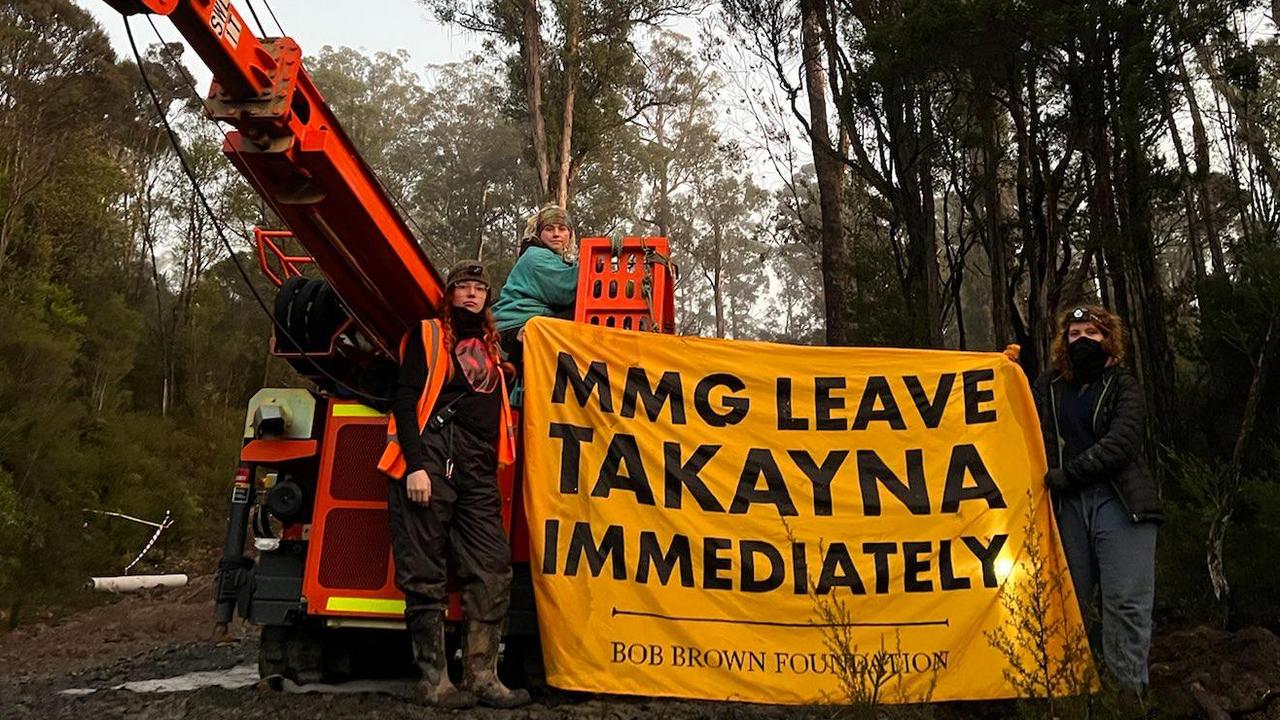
x,y
1220,348
442,146
875,307
1183,593
83,349
1251,554
1047,655
1252,549
10,524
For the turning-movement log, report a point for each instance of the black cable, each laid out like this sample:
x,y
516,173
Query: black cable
x,y
404,213
195,94
274,19
395,199
261,30
204,201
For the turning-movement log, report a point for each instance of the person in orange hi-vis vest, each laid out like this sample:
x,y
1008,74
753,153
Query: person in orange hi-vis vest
x,y
451,428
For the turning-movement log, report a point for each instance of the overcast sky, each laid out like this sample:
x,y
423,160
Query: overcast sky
x,y
391,25
371,25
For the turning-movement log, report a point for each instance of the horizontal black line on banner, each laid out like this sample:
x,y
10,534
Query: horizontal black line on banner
x,y
771,623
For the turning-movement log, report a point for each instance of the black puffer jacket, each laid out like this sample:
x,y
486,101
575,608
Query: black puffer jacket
x,y
1119,423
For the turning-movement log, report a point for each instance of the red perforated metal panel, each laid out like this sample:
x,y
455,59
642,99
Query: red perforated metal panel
x,y
355,555
355,473
349,569
627,287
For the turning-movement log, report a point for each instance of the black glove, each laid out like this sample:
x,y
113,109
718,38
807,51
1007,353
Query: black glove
x,y
1056,479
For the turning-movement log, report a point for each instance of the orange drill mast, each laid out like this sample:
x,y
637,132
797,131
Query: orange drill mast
x,y
289,146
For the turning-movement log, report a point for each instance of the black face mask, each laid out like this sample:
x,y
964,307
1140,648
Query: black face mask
x,y
1087,359
468,323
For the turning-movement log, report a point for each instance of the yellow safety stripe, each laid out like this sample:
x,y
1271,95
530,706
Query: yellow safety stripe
x,y
381,606
355,410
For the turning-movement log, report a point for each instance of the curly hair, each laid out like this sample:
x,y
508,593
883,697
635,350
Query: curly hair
x,y
444,311
1113,337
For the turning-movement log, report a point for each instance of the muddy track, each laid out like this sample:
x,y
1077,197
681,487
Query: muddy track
x,y
73,668
69,669
41,698
45,697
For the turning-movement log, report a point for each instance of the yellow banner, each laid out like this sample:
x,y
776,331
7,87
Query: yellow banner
x,y
736,520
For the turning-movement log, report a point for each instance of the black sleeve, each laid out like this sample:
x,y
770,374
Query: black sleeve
x,y
404,401
1039,386
1040,390
1122,441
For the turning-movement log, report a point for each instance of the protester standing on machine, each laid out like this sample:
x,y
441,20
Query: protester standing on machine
x,y
1092,414
451,429
544,281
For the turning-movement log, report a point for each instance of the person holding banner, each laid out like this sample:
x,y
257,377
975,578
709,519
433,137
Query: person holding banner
x,y
450,429
1092,414
543,283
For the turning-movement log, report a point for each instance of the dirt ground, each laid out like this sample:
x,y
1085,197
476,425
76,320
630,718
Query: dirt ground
x,y
163,634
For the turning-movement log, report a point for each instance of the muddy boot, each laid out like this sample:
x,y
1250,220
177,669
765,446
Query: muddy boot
x,y
480,668
1134,704
435,688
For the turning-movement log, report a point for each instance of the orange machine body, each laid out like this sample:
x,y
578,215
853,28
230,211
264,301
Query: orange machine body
x,y
349,571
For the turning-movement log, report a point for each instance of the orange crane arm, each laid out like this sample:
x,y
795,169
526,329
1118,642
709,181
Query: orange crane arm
x,y
289,146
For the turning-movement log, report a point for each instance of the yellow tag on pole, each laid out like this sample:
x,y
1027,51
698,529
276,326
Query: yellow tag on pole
x,y
735,520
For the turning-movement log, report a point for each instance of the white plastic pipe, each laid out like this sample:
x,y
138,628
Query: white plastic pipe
x,y
130,583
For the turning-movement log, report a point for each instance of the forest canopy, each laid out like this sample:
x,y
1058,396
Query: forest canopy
x,y
937,174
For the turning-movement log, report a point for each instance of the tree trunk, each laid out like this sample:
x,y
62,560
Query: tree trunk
x,y
533,89
993,235
717,275
11,169
1102,190
166,344
480,223
1229,482
573,29
1025,332
929,218
6,233
25,176
664,176
955,266
1248,129
912,169
1188,193
1200,146
1148,294
830,178
1046,278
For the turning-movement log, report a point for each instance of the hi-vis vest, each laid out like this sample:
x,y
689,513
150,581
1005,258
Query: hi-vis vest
x,y
439,369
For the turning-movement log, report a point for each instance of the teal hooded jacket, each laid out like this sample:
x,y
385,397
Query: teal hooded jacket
x,y
540,285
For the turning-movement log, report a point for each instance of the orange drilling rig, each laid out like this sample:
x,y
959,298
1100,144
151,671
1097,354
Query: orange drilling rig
x,y
307,497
